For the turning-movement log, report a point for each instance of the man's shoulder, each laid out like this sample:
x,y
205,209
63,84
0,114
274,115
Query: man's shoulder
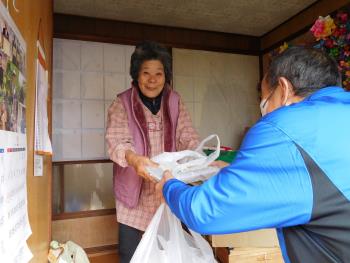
x,y
292,116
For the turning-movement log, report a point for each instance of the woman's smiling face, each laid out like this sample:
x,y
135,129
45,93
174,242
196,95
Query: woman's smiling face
x,y
151,78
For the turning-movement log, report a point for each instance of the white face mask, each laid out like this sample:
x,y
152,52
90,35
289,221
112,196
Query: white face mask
x,y
264,103
263,107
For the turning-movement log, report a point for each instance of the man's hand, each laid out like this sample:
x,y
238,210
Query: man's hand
x,y
159,186
219,164
140,163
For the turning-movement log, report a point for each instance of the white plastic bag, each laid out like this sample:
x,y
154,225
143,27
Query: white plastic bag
x,y
69,252
166,242
187,166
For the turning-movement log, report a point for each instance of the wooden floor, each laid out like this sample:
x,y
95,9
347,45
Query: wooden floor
x,y
109,258
104,258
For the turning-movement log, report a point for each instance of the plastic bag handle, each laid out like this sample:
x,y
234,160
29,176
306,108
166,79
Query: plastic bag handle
x,y
210,137
214,155
204,160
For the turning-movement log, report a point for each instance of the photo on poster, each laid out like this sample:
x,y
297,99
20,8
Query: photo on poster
x,y
12,80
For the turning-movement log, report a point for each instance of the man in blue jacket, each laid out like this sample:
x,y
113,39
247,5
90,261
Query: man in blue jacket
x,y
292,171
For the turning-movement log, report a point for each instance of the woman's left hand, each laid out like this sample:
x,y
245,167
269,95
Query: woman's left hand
x,y
159,186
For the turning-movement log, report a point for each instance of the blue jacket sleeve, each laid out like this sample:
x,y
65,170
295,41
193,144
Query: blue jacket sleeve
x,y
267,186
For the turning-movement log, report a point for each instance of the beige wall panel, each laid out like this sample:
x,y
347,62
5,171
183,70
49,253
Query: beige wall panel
x,y
219,91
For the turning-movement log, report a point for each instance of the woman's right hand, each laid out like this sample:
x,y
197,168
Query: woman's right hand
x,y
140,162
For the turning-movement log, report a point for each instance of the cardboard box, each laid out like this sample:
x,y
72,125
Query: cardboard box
x,y
250,255
259,238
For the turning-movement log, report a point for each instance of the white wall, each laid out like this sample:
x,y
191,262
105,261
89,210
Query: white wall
x,y
219,90
86,78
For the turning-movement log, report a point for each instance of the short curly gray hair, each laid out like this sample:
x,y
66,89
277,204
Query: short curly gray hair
x,y
149,50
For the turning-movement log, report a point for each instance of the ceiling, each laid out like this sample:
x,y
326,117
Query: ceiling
x,y
249,17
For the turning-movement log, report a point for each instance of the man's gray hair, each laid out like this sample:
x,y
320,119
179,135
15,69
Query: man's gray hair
x,y
308,70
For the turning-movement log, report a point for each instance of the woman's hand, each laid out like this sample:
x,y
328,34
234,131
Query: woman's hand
x,y
140,163
159,186
219,164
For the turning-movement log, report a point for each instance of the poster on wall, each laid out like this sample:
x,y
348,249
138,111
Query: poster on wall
x,y
42,142
14,223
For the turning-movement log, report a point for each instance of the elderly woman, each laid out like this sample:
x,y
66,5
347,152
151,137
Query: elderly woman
x,y
144,121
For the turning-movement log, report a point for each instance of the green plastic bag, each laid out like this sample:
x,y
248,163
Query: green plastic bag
x,y
226,156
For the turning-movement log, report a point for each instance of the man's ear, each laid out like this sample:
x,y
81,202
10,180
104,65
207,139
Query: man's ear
x,y
286,89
